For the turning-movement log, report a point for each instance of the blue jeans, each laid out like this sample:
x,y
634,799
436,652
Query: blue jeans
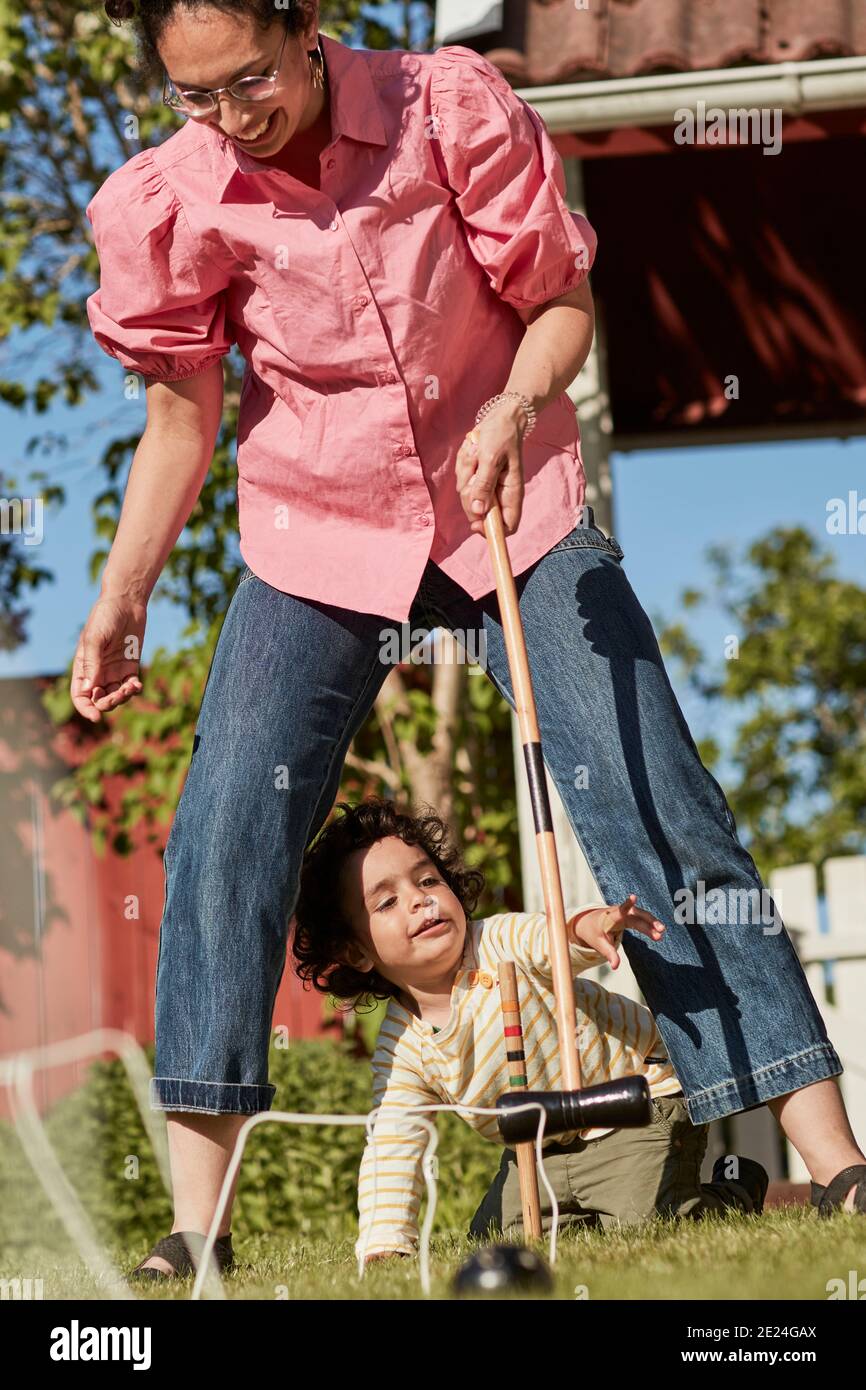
x,y
291,683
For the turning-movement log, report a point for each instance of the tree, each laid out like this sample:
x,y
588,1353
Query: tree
x,y
796,671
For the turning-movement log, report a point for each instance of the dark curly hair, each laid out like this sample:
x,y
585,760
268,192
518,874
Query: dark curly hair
x,y
322,928
150,18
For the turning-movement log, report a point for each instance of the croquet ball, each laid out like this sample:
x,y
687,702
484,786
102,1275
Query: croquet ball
x,y
502,1269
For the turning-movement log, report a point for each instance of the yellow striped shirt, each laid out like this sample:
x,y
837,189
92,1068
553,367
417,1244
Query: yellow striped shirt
x,y
465,1063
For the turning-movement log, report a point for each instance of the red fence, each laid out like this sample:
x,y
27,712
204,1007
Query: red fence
x,y
79,933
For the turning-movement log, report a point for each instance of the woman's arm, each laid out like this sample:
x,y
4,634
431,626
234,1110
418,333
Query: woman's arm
x,y
167,474
553,350
168,470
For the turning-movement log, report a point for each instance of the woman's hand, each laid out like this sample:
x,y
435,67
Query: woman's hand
x,y
106,664
601,927
490,458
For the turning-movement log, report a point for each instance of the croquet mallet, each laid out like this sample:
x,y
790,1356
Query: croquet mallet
x,y
617,1104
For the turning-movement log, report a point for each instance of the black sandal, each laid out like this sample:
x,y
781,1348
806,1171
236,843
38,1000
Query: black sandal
x,y
178,1249
832,1197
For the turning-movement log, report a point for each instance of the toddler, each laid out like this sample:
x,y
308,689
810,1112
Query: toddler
x,y
384,912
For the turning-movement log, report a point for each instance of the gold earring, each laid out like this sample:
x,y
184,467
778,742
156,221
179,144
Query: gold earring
x,y
317,65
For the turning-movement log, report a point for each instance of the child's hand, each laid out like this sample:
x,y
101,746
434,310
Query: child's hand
x,y
601,927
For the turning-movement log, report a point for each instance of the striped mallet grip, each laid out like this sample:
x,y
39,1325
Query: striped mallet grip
x,y
512,1026
515,1053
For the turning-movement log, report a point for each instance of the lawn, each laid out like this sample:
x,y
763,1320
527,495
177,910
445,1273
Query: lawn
x,y
787,1253
295,1216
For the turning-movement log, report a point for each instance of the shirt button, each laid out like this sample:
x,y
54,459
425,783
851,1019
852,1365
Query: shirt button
x,y
361,302
334,225
486,980
424,520
332,163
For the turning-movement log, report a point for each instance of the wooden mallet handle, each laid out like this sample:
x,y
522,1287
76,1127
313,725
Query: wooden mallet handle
x,y
524,701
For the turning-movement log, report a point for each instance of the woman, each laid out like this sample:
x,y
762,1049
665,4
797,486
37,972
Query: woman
x,y
384,235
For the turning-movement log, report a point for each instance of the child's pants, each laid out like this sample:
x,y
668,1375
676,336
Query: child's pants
x,y
620,1178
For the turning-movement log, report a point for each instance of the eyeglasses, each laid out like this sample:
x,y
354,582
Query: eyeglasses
x,y
203,103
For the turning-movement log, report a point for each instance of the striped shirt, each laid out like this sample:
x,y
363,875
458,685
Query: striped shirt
x,y
465,1062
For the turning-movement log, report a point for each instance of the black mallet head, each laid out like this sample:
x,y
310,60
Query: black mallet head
x,y
619,1104
502,1269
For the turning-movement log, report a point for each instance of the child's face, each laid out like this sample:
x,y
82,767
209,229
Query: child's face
x,y
386,893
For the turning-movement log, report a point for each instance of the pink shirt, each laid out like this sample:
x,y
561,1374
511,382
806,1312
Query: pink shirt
x,y
375,317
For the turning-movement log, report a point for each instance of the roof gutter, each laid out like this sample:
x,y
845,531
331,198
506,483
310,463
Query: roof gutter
x,y
829,84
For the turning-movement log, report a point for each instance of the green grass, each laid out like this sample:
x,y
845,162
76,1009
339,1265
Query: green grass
x,y
295,1217
788,1253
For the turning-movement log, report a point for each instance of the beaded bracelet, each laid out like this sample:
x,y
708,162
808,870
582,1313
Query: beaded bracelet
x,y
527,406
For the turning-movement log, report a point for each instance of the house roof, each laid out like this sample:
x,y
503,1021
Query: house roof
x,y
548,41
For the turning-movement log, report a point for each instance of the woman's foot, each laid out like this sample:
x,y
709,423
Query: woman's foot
x,y
200,1149
815,1121
827,1197
171,1257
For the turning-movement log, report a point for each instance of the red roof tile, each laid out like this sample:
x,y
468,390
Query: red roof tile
x,y
547,41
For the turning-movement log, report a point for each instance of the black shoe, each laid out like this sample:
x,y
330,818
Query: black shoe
x,y
832,1197
750,1175
176,1248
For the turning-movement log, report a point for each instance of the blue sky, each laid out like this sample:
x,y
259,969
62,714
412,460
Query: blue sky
x,y
672,504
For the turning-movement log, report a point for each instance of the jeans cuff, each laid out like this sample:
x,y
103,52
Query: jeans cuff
x,y
210,1097
757,1087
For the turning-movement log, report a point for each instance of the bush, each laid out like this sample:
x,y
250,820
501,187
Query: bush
x,y
296,1180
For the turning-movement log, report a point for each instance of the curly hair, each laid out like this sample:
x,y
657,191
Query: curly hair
x,y
150,18
322,927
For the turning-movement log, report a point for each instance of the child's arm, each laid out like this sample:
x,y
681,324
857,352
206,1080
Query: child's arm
x,y
592,931
523,938
599,929
395,1151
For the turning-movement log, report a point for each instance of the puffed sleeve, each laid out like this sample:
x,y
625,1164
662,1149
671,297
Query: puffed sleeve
x,y
161,305
510,184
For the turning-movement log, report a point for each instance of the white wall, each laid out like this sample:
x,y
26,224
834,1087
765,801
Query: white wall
x,y
459,19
